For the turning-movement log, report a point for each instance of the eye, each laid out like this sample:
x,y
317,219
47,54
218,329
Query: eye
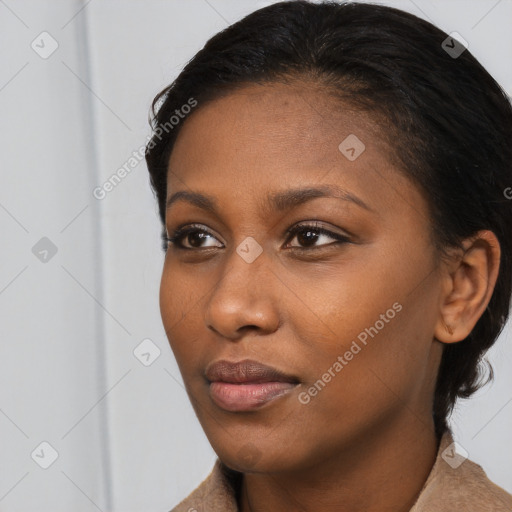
x,y
193,234
309,234
306,234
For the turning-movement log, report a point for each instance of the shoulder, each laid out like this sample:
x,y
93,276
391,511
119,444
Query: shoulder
x,y
457,483
216,493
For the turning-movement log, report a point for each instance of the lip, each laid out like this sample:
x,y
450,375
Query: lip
x,y
247,384
246,371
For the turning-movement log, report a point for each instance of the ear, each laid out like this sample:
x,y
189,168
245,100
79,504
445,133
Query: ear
x,y
468,284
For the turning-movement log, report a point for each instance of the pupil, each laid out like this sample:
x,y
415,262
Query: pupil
x,y
197,236
304,240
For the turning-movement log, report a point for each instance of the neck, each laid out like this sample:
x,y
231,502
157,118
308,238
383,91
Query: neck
x,y
384,472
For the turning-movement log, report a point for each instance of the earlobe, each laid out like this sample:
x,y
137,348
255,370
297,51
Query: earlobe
x,y
445,333
449,329
470,282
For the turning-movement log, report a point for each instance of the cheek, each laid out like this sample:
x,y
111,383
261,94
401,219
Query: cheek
x,y
167,298
371,383
380,376
180,293
178,305
379,329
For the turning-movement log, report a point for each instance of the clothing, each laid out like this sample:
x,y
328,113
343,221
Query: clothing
x,y
464,488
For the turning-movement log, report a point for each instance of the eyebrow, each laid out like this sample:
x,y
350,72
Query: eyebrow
x,y
277,202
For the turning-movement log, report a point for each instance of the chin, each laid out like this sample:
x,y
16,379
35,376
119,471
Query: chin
x,y
252,458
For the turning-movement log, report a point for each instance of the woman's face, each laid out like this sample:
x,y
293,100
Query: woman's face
x,y
352,319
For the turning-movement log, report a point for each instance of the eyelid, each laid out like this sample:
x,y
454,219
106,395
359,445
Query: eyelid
x,y
319,228
183,230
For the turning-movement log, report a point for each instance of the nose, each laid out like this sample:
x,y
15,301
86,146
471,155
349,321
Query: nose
x,y
245,297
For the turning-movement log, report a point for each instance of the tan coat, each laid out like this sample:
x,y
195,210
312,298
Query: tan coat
x,y
463,488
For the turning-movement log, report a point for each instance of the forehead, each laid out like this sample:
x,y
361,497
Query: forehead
x,y
267,121
270,137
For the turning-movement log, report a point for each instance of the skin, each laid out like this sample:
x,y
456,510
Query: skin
x,y
366,441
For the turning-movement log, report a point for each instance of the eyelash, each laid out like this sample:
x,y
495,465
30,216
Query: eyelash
x,y
182,232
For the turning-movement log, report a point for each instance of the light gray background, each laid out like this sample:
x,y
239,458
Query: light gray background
x,y
126,435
